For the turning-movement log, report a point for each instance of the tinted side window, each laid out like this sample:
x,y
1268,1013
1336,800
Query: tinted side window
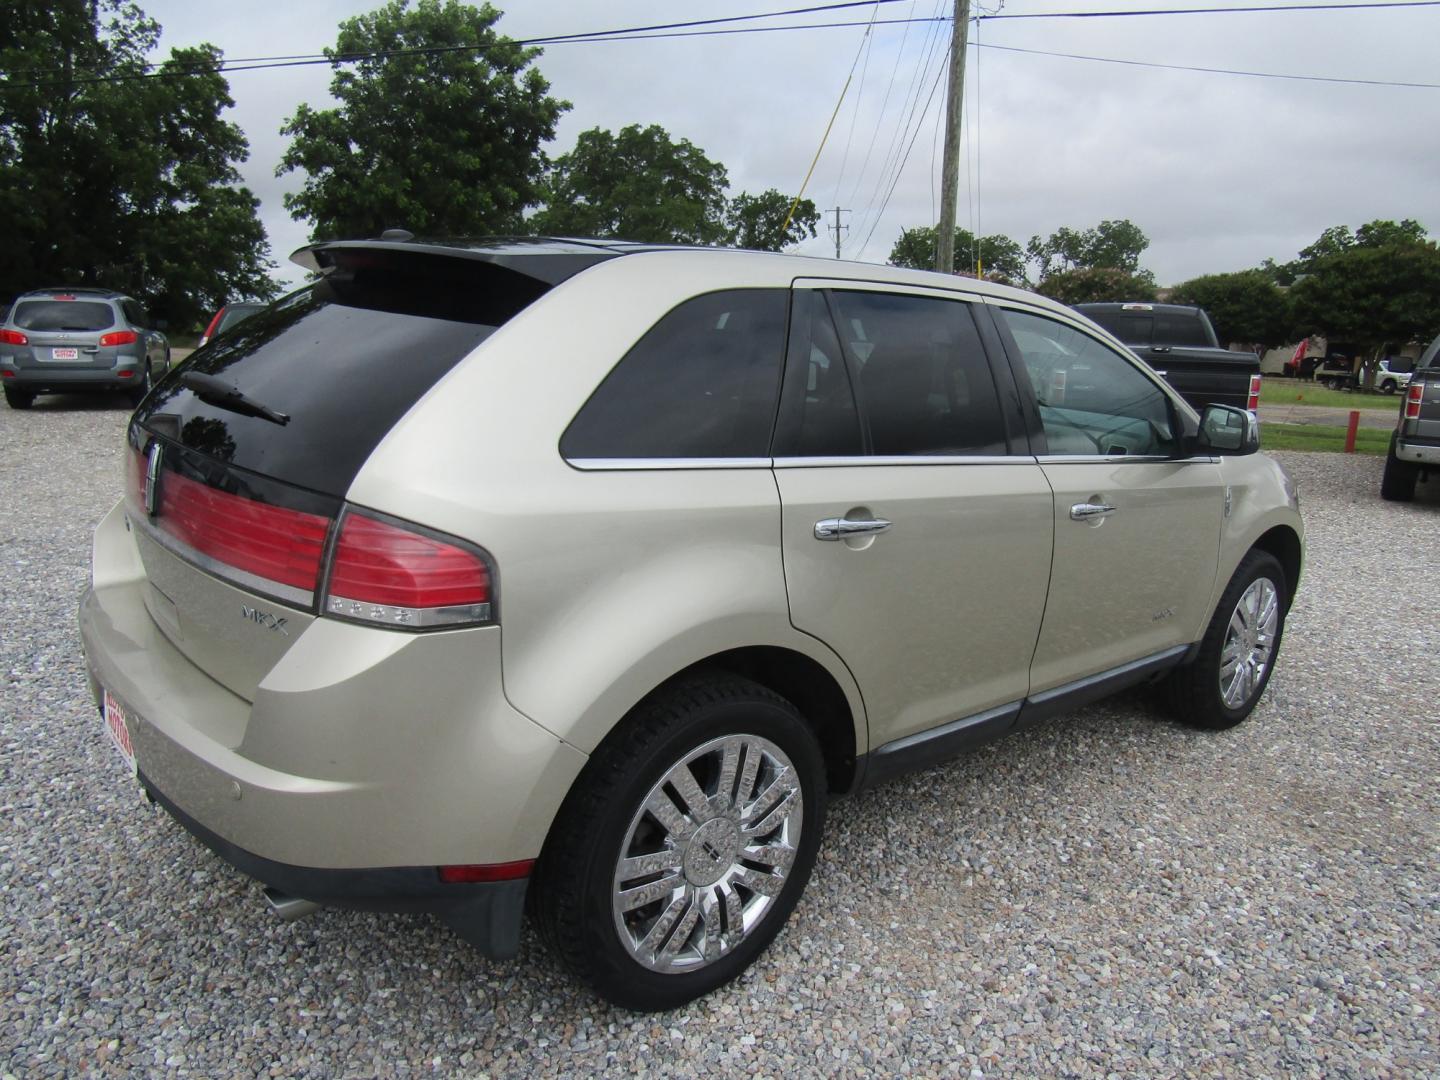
x,y
1092,400
817,416
920,375
701,384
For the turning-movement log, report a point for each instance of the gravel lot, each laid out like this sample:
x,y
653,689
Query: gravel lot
x,y
1108,895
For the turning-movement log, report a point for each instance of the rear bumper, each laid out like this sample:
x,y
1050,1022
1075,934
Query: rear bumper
x,y
487,915
361,749
46,380
1422,453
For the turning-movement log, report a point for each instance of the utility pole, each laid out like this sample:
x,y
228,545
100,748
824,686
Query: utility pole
x,y
954,110
837,228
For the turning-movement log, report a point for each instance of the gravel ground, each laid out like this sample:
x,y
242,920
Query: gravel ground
x,y
1110,894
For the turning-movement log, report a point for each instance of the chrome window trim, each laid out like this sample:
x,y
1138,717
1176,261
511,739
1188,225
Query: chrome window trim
x,y
876,460
663,464
1117,459
289,594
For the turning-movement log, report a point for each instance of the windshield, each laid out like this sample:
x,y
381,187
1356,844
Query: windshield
x,y
43,315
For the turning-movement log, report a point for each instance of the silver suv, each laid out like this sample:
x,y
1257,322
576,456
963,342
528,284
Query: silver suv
x,y
582,574
70,340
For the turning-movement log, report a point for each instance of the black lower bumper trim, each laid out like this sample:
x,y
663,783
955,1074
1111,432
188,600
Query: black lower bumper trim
x,y
487,915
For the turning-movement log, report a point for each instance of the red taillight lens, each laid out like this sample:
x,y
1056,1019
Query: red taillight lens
x,y
271,542
505,871
392,575
13,337
119,337
1413,397
1254,402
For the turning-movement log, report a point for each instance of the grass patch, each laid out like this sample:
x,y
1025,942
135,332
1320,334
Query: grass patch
x,y
1330,439
1275,390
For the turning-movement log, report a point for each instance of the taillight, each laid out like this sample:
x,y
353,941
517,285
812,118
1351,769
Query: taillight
x,y
13,337
272,543
394,575
119,337
1413,397
1253,402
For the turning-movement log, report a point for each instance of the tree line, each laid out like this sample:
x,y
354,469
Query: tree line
x,y
1376,286
117,174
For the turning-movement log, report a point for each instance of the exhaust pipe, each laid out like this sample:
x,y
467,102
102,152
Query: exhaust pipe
x,y
289,908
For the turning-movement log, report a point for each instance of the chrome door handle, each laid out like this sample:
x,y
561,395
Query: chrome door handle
x,y
840,528
1086,511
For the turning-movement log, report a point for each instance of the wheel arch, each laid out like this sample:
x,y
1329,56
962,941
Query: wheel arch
x,y
1283,543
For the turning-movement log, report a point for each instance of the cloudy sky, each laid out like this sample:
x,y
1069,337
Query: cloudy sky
x,y
1220,171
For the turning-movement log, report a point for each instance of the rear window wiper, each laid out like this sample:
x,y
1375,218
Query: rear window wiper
x,y
221,394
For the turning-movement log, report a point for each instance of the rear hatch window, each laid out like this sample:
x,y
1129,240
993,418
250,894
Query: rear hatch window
x,y
1154,329
55,316
342,360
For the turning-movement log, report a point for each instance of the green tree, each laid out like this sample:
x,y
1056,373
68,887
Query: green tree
x,y
442,139
755,221
1093,284
113,180
1113,245
639,184
1371,294
1244,306
1001,259
1338,239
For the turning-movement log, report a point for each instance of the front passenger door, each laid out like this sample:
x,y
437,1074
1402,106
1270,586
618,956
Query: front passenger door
x,y
1137,530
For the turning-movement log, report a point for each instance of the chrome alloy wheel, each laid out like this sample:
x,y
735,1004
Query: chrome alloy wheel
x,y
707,853
1249,642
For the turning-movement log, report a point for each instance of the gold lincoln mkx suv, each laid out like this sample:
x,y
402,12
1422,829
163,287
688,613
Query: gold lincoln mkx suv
x,y
575,577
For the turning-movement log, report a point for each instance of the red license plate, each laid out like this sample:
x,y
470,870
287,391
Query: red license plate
x,y
117,726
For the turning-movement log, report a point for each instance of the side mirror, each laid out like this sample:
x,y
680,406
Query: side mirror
x,y
1225,429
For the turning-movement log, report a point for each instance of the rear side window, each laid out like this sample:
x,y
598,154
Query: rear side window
x,y
344,358
60,315
702,383
889,375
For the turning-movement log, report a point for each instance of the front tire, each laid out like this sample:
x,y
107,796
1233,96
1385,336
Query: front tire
x,y
1237,654
685,843
1389,386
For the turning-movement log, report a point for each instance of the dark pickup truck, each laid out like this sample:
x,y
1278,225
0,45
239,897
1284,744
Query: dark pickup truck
x,y
1180,344
1415,446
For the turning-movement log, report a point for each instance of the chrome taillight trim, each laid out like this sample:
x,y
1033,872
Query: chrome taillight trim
x,y
405,618
261,586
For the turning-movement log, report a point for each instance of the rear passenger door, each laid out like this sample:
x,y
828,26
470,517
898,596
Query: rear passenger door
x,y
1137,529
891,413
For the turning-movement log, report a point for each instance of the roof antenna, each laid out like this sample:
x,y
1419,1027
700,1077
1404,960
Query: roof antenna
x,y
400,235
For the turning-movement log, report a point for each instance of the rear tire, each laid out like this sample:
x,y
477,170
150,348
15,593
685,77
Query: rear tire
x,y
137,394
730,860
1397,482
1389,386
1237,654
19,399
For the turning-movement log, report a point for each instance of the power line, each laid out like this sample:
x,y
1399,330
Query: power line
x,y
1214,70
1253,8
168,70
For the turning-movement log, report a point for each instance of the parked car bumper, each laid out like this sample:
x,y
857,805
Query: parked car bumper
x,y
127,372
1422,453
